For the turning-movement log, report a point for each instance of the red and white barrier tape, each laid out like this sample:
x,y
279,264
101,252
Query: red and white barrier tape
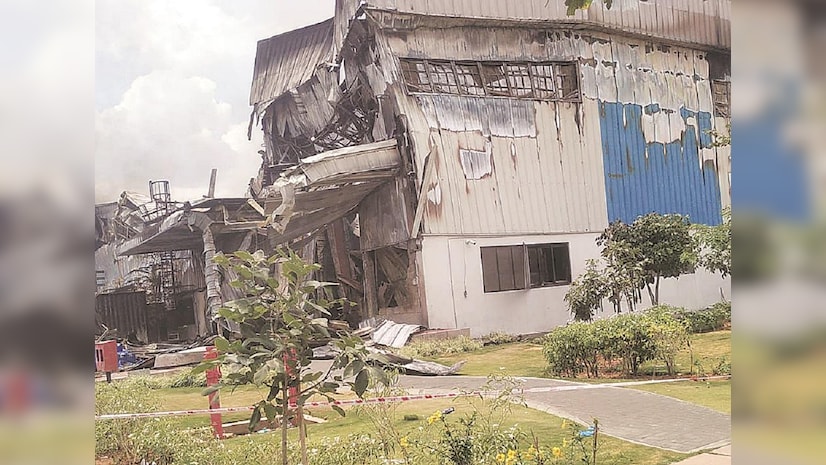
x,y
382,400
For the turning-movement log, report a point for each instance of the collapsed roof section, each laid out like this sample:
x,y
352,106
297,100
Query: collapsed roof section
x,y
317,191
285,61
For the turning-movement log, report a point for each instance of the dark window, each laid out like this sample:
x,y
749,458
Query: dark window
x,y
567,81
549,264
522,266
543,81
721,95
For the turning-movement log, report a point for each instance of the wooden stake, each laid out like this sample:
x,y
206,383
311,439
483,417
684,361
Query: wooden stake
x,y
302,435
596,432
285,420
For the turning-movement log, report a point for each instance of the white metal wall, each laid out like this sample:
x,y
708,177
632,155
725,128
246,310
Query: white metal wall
x,y
456,298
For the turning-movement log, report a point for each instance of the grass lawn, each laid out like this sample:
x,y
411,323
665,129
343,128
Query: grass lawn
x,y
546,427
526,359
715,395
516,359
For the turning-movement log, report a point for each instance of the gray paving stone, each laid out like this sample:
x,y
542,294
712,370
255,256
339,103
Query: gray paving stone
x,y
636,416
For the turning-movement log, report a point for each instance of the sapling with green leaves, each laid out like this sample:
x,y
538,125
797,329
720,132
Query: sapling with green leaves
x,y
280,319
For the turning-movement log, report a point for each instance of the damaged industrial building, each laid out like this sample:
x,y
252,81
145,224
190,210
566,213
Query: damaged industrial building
x,y
450,164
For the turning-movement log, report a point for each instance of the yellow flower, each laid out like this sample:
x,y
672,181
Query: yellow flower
x,y
530,453
557,452
436,416
500,457
404,442
511,454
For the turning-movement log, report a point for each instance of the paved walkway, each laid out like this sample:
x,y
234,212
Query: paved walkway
x,y
636,416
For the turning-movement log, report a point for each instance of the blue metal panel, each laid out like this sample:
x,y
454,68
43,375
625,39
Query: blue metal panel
x,y
647,176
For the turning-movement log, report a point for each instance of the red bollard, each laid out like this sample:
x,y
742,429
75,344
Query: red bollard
x,y
293,390
213,376
106,358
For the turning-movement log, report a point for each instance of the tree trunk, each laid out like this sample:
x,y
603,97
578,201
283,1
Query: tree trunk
x,y
651,294
657,291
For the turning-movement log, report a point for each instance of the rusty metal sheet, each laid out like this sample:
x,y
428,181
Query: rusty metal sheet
x,y
285,61
702,22
125,311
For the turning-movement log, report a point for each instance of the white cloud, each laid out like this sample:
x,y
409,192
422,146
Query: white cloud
x,y
170,126
172,89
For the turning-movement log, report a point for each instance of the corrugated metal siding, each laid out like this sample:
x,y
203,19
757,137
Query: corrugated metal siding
x,y
643,176
285,61
125,312
548,180
554,165
118,269
705,22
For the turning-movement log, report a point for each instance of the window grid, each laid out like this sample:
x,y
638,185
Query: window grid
x,y
469,77
543,81
495,79
519,80
568,82
721,95
443,78
416,76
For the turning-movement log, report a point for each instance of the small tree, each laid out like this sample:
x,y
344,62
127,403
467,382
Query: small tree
x,y
661,246
714,245
585,295
279,318
623,282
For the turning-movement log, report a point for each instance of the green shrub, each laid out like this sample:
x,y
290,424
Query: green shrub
x,y
499,338
630,339
456,345
573,349
713,318
668,334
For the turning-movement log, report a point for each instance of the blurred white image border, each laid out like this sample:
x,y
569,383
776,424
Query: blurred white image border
x,y
779,205
46,230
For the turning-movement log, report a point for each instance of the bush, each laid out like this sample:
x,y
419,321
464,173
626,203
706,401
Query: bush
x,y
498,339
668,334
456,345
630,339
573,349
713,318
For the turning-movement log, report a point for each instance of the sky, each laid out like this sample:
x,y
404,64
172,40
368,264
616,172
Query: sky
x,y
172,83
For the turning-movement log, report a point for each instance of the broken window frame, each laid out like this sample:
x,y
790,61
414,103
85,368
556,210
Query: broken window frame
x,y
722,106
524,84
556,272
